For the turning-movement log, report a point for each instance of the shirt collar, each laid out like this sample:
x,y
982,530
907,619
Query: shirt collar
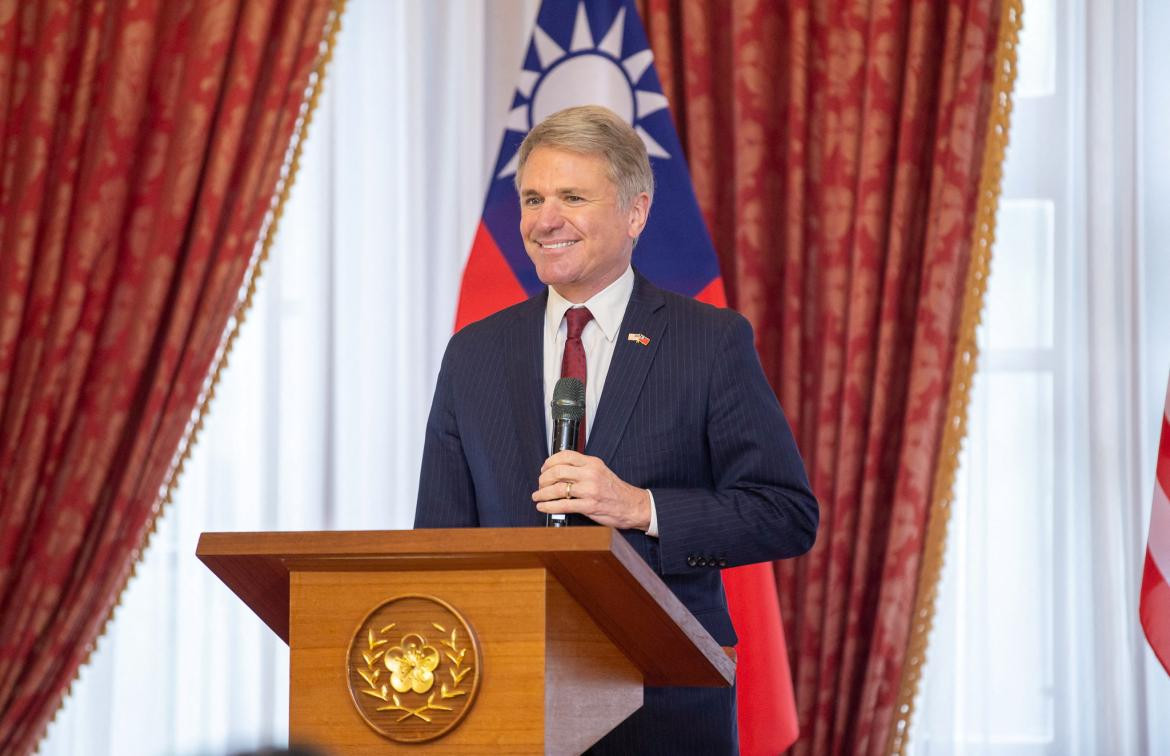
x,y
608,306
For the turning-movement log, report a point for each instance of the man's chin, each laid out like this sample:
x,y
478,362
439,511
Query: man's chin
x,y
554,275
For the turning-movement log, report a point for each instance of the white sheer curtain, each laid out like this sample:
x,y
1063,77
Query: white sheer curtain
x,y
1037,647
318,421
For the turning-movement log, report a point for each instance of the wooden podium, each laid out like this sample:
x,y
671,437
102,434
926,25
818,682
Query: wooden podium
x,y
479,640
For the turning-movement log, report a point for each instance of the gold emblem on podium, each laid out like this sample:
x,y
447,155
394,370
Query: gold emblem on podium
x,y
413,668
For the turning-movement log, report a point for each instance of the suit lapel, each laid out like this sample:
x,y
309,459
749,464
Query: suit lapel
x,y
526,382
627,371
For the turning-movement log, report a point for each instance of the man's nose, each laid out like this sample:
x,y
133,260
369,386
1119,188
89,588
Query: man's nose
x,y
550,216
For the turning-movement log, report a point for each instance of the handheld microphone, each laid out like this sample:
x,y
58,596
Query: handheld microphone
x,y
568,409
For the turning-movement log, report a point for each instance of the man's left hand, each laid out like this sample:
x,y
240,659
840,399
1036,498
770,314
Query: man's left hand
x,y
573,482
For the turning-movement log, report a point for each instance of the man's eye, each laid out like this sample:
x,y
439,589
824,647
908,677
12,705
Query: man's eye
x,y
531,201
574,198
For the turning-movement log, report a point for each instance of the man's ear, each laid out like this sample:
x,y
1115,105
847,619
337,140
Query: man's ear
x,y
639,213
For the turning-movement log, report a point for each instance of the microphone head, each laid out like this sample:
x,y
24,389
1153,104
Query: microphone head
x,y
568,402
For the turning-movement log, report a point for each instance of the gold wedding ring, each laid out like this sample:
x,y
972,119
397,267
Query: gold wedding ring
x,y
568,489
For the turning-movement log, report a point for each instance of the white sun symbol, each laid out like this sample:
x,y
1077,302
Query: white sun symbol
x,y
588,74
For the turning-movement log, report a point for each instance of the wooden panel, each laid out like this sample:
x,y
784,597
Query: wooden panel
x,y
261,582
596,565
590,687
660,636
506,610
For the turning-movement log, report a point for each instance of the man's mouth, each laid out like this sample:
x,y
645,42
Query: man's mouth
x,y
557,245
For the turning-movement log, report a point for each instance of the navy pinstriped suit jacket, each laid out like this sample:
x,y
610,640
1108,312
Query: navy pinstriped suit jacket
x,y
689,416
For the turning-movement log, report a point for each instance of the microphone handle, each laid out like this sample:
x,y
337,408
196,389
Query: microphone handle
x,y
564,436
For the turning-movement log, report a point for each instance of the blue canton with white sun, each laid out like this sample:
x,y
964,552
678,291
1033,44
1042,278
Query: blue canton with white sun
x,y
596,53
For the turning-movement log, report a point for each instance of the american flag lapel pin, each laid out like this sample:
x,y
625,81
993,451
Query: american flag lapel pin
x,y
642,339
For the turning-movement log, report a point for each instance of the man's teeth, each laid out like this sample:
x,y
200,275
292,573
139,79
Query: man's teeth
x,y
559,245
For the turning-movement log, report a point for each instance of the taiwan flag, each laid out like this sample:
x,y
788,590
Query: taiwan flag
x,y
596,53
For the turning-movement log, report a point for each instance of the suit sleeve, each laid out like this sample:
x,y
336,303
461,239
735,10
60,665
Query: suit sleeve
x,y
761,507
446,493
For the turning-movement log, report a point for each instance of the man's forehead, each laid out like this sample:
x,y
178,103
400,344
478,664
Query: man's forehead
x,y
558,189
549,169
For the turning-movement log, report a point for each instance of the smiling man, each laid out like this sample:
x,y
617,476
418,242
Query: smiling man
x,y
686,449
578,225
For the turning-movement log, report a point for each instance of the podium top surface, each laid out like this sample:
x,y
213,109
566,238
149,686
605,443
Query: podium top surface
x,y
596,566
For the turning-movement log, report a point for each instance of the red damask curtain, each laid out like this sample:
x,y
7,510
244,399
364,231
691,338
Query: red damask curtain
x,y
142,141
837,150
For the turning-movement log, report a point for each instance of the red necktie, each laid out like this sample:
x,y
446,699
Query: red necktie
x,y
573,363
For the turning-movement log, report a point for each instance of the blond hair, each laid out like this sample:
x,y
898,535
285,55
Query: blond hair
x,y
594,130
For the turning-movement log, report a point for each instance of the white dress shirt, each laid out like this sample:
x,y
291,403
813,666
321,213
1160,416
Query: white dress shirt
x,y
599,338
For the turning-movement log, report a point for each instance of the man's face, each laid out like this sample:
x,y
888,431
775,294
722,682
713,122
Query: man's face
x,y
574,229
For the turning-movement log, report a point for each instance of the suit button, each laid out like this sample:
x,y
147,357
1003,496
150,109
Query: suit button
x,y
722,562
702,561
691,561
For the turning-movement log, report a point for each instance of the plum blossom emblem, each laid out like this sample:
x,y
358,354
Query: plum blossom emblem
x,y
413,668
412,664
